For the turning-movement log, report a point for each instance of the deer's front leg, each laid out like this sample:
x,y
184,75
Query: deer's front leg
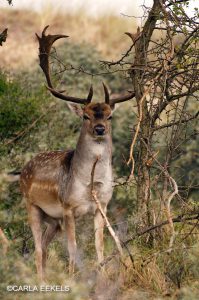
x,y
69,223
35,221
99,235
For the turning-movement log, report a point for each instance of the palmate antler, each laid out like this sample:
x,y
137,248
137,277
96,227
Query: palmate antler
x,y
45,45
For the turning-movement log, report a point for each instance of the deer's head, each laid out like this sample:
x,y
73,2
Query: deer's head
x,y
96,116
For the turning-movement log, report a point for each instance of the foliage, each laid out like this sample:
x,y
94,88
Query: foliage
x,y
18,107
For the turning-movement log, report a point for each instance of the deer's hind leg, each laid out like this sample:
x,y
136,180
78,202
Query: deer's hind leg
x,y
52,228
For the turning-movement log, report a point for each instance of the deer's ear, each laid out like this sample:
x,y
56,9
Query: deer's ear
x,y
76,108
114,107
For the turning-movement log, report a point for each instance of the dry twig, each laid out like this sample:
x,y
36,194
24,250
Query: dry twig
x,y
167,201
131,158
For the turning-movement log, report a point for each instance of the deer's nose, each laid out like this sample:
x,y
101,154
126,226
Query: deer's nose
x,y
99,129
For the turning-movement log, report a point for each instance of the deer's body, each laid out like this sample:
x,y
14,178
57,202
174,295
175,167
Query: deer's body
x,y
57,178
58,185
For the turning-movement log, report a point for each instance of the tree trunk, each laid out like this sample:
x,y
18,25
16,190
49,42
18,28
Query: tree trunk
x,y
143,181
139,67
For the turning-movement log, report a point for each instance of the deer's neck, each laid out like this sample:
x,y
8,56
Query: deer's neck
x,y
88,150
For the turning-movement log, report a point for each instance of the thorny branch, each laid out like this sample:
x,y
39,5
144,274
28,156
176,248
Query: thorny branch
x,y
167,201
140,103
176,123
178,219
134,38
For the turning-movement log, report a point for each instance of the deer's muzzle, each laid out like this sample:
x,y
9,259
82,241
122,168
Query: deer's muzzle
x,y
99,129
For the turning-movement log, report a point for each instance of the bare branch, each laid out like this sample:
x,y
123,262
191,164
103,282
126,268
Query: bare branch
x,y
134,37
169,99
187,93
178,219
176,123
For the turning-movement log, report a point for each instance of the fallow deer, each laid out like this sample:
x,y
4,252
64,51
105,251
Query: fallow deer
x,y
56,184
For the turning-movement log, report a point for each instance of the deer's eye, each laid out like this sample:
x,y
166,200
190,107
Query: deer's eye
x,y
85,117
109,118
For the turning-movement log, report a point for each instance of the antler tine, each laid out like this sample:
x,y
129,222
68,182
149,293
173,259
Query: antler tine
x,y
90,94
118,99
122,98
106,93
45,45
